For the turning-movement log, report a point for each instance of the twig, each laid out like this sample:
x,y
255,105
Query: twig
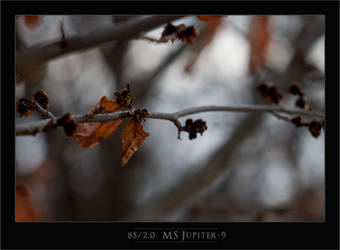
x,y
34,127
124,31
44,112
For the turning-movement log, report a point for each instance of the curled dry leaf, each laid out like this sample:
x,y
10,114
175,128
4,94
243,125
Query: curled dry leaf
x,y
132,137
89,134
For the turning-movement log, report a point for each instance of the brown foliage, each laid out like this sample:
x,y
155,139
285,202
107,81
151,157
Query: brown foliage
x,y
132,137
89,134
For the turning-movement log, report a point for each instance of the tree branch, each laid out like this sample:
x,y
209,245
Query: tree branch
x,y
127,30
32,128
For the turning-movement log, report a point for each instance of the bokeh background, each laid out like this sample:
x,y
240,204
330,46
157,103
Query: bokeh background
x,y
245,167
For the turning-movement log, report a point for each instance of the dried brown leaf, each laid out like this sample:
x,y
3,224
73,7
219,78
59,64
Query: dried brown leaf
x,y
89,134
132,137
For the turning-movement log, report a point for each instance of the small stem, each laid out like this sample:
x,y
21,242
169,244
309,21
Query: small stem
x,y
44,112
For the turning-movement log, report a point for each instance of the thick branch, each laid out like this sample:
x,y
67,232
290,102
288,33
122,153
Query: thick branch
x,y
124,31
34,127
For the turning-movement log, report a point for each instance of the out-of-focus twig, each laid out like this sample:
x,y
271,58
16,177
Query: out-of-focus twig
x,y
126,30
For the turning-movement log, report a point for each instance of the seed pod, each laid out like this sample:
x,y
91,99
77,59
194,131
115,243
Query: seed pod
x,y
42,99
25,106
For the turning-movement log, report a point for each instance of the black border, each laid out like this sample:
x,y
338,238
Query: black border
x,y
114,235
